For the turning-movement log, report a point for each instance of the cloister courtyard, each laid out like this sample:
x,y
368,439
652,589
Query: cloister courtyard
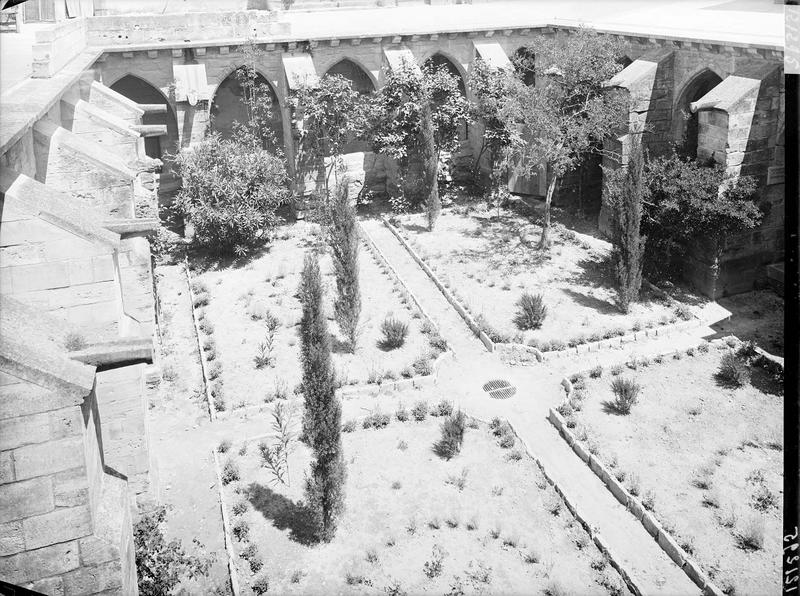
x,y
358,297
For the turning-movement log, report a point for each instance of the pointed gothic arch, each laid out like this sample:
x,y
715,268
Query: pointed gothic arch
x,y
685,122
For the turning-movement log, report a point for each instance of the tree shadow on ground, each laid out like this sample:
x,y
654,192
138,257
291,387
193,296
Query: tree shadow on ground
x,y
284,513
600,306
764,382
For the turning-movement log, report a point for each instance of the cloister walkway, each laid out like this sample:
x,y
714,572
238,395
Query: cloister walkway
x,y
538,389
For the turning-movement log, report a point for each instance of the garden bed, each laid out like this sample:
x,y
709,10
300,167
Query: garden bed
x,y
242,300
488,261
704,457
498,525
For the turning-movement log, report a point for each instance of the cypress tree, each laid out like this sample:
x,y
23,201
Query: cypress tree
x,y
323,413
343,240
627,239
430,168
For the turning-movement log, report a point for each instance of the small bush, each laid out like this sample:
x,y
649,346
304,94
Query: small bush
x,y
634,485
241,529
240,508
617,369
224,445
250,554
438,343
394,333
452,430
443,408
201,300
732,372
260,585
401,414
402,445
396,485
199,287
206,327
459,481
531,311
683,312
649,500
422,365
407,372
626,394
349,426
515,455
230,472
596,372
531,556
420,411
371,555
433,567
376,420
472,523
565,409
214,370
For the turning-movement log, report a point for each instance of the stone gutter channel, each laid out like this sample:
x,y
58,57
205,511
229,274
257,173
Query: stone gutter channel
x,y
226,528
212,415
664,539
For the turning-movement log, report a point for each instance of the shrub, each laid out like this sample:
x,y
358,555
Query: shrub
x,y
209,344
349,426
596,372
250,554
396,485
472,523
420,411
634,485
515,455
531,311
230,472
402,445
394,333
260,585
626,394
214,370
230,193
199,286
376,420
507,441
649,500
160,565
241,529
443,408
732,372
240,508
224,445
201,300
401,414
617,369
407,372
437,342
565,409
422,365
433,567
683,312
452,431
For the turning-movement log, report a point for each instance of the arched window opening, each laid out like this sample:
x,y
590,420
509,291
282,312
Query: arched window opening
x,y
524,61
230,105
440,60
687,128
141,91
353,73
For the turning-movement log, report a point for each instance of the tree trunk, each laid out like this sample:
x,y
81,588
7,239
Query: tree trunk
x,y
544,243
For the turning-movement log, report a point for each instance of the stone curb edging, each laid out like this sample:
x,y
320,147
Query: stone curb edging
x,y
378,254
595,535
364,389
206,385
664,539
226,528
596,346
471,323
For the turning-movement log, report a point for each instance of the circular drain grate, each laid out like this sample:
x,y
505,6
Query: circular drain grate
x,y
499,389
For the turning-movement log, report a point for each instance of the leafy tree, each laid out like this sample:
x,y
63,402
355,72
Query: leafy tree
x,y
231,191
417,117
323,414
686,202
333,114
489,89
343,239
567,113
257,99
160,565
627,217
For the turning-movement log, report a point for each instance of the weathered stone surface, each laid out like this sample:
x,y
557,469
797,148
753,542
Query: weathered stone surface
x,y
668,544
71,488
11,538
52,586
57,526
95,550
47,458
6,467
24,430
22,499
40,563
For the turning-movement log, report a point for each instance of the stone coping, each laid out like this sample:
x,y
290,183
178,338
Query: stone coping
x,y
664,539
226,526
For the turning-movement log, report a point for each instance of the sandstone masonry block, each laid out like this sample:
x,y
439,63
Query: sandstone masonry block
x,y
95,550
40,563
52,586
46,458
6,467
24,430
23,499
70,488
11,538
57,526
668,544
90,580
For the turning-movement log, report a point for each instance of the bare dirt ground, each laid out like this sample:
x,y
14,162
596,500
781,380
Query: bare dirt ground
x,y
757,316
398,490
491,259
269,282
687,433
